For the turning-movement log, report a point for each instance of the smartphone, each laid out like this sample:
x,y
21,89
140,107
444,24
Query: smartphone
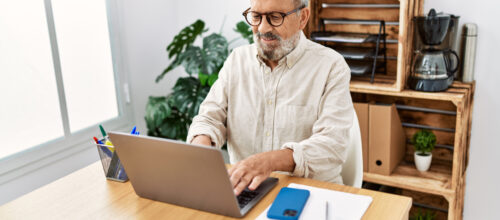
x,y
288,203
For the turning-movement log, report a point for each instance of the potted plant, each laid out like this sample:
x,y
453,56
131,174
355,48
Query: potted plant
x,y
424,142
170,116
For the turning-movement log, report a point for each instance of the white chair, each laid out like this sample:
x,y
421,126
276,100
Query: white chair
x,y
352,170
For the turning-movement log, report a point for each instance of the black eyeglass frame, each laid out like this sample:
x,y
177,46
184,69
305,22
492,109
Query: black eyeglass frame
x,y
283,15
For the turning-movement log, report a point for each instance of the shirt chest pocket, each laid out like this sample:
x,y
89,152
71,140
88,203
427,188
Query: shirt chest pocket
x,y
295,122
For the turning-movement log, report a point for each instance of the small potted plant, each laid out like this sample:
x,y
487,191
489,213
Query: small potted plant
x,y
424,142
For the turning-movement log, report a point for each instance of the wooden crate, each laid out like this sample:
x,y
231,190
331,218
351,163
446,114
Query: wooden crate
x,y
422,202
399,29
448,115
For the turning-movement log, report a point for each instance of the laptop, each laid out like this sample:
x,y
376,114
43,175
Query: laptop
x,y
183,174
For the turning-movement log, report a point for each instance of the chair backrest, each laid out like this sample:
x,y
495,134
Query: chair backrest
x,y
352,170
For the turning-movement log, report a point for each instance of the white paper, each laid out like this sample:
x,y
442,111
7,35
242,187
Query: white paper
x,y
342,206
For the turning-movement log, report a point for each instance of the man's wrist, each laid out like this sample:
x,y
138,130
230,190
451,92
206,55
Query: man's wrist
x,y
281,160
208,136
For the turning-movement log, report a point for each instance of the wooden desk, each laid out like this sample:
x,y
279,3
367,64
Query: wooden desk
x,y
86,194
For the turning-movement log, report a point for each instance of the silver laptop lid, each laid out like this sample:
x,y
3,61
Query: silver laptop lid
x,y
177,173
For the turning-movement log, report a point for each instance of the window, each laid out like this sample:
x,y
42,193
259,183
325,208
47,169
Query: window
x,y
59,79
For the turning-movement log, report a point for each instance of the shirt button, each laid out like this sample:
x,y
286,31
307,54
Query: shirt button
x,y
268,134
269,102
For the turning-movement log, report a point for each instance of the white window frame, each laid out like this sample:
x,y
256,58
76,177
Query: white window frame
x,y
36,157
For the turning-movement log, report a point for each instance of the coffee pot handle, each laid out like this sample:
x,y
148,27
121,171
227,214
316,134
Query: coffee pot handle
x,y
448,62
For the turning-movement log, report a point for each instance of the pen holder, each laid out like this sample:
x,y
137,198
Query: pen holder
x,y
113,168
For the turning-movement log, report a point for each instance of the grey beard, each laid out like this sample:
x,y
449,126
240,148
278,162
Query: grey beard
x,y
276,53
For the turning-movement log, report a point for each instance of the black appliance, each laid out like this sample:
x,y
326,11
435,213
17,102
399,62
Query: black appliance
x,y
435,60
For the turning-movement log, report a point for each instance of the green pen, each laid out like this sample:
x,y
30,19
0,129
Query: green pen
x,y
103,132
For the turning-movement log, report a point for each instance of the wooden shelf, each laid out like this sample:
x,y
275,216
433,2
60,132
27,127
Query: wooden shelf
x,y
448,114
435,181
449,95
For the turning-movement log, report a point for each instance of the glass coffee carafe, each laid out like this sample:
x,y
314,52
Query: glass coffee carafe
x,y
432,70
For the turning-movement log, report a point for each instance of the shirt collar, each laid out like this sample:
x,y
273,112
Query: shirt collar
x,y
296,53
292,57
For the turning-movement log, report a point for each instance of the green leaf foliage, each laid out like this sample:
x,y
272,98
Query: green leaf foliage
x,y
185,38
424,141
156,109
215,48
180,43
203,78
165,120
207,60
188,94
419,215
170,116
175,126
212,78
245,30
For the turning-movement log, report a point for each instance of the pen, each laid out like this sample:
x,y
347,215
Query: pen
x,y
103,132
326,214
103,148
97,141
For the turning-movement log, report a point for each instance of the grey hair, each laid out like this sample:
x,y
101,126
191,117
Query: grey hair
x,y
298,3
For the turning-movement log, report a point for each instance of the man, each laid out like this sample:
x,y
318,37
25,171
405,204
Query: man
x,y
282,103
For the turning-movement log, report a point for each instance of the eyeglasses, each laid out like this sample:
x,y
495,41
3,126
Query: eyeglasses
x,y
273,18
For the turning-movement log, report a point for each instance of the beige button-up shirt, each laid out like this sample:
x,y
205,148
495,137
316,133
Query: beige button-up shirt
x,y
303,104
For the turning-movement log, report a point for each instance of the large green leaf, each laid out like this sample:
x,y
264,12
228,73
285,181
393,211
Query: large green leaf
x,y
157,109
175,126
204,78
212,78
192,59
215,47
164,120
181,42
208,59
245,30
186,37
188,94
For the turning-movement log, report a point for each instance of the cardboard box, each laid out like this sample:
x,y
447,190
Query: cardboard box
x,y
386,139
362,113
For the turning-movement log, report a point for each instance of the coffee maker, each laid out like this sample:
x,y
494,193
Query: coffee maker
x,y
435,61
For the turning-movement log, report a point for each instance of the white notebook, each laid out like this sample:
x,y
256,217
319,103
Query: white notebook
x,y
341,205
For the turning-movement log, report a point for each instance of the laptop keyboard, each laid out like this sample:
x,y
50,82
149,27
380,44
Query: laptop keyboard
x,y
246,196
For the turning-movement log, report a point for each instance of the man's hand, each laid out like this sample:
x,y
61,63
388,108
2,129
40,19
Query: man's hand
x,y
255,169
202,140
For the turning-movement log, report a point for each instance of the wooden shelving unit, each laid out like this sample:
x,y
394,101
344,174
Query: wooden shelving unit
x,y
364,16
448,114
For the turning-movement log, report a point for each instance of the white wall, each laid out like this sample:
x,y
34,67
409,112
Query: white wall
x,y
482,194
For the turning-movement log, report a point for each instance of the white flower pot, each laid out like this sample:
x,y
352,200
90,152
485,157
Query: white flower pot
x,y
423,162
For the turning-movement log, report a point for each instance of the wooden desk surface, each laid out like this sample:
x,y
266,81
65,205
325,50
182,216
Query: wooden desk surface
x,y
86,194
